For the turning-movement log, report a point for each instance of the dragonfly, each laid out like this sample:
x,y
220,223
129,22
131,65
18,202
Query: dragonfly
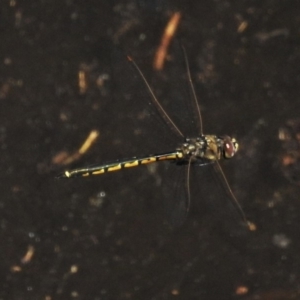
x,y
196,151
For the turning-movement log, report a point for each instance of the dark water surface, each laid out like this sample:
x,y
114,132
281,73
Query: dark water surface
x,y
81,244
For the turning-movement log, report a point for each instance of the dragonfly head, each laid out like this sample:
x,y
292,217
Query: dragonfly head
x,y
230,147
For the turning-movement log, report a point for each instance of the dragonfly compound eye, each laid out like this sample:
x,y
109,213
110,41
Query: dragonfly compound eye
x,y
230,147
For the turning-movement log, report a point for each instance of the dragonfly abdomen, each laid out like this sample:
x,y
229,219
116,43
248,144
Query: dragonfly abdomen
x,y
122,164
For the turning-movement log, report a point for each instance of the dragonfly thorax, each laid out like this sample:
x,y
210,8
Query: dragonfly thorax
x,y
209,147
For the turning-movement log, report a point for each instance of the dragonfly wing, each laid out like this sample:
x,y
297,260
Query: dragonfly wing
x,y
128,115
178,187
209,195
174,188
178,100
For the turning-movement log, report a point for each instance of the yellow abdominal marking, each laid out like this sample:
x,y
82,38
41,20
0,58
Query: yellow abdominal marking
x,y
148,160
114,168
131,164
98,172
167,157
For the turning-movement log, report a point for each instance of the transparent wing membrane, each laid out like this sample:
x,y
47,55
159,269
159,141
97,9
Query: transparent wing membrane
x,y
176,198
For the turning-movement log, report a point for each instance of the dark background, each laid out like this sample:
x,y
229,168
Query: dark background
x,y
86,246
